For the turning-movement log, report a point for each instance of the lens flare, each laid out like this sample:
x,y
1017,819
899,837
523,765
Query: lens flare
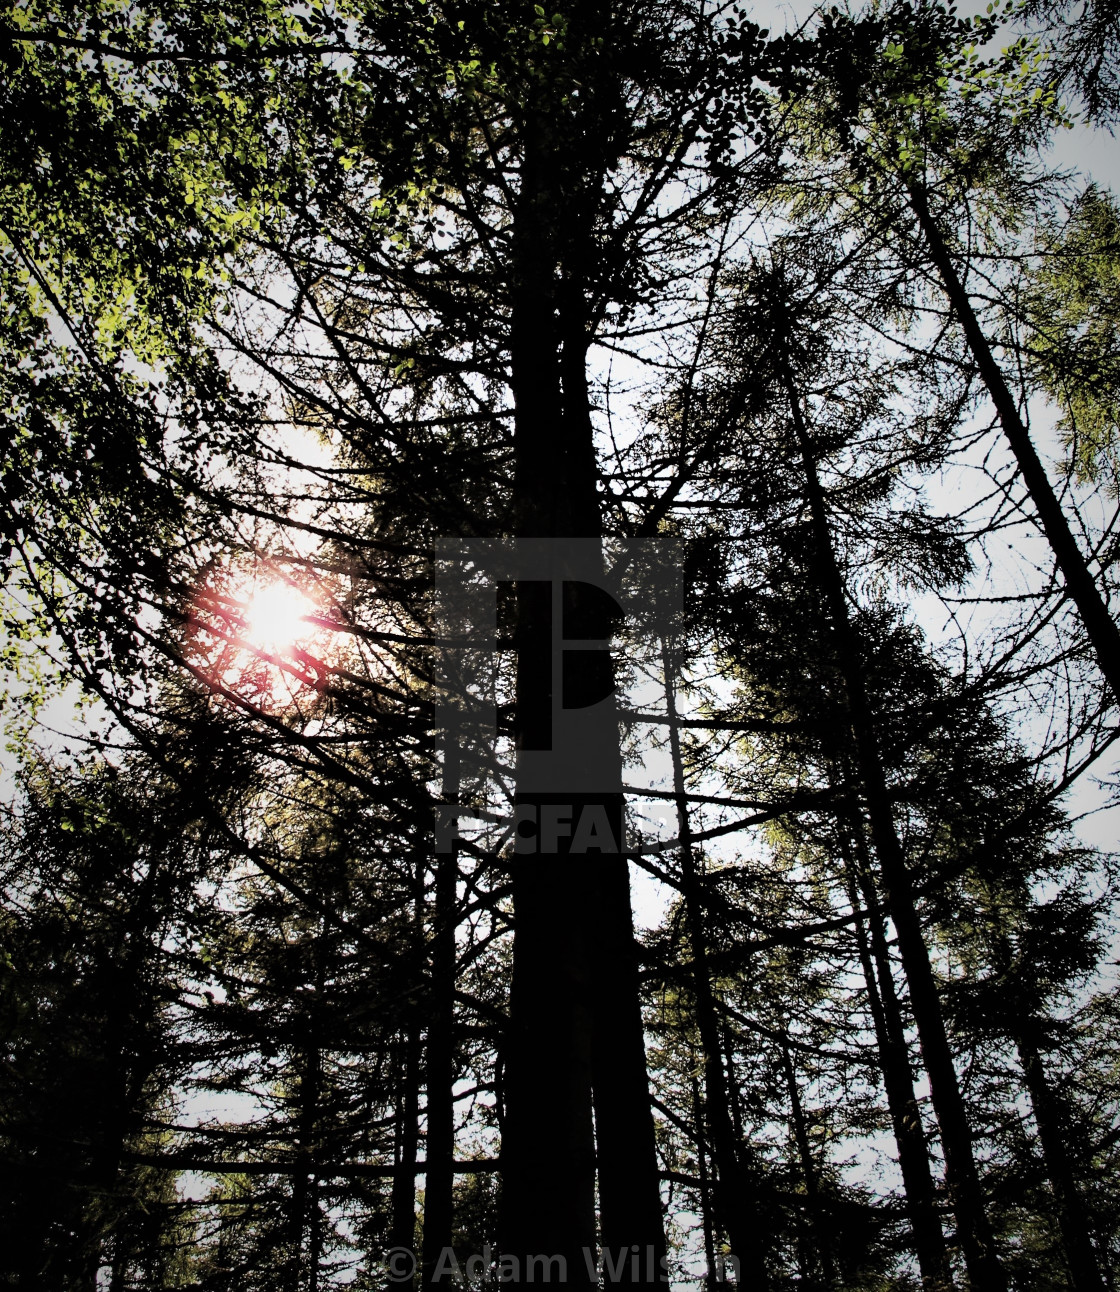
x,y
263,639
277,618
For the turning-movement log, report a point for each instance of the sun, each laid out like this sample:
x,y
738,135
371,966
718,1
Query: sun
x,y
278,618
263,639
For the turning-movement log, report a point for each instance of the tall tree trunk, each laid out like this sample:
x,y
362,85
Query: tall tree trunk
x,y
305,1218
314,1234
735,1208
439,1167
706,1217
1085,1274
548,1150
575,1025
630,1211
1052,1119
125,1034
822,1230
985,1271
402,1231
1103,634
307,1151
894,1062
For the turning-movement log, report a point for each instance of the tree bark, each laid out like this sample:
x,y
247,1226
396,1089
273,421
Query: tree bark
x,y
548,1151
303,1193
1052,1119
402,1232
315,1236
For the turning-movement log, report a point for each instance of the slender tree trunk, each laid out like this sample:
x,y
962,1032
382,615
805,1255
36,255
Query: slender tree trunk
x,y
822,1230
894,1061
297,1209
1052,1119
314,1235
706,1218
985,1271
402,1229
439,1168
305,1217
1103,634
1085,1274
125,1034
735,1208
302,1194
403,1202
732,1085
630,1212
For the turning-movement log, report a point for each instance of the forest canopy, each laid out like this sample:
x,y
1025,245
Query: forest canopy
x,y
559,580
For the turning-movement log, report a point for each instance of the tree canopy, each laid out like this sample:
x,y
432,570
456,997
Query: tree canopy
x,y
584,542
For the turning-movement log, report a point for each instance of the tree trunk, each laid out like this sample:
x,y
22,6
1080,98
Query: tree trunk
x,y
575,1025
894,1061
630,1211
985,1271
402,1231
302,1191
706,1218
735,1209
1051,1118
822,1233
548,1151
1103,634
314,1235
439,1154
1085,1274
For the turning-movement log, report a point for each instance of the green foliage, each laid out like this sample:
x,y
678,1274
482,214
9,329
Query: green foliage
x,y
1072,304
1082,45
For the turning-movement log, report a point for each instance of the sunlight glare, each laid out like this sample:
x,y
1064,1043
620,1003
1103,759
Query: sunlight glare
x,y
258,635
276,617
